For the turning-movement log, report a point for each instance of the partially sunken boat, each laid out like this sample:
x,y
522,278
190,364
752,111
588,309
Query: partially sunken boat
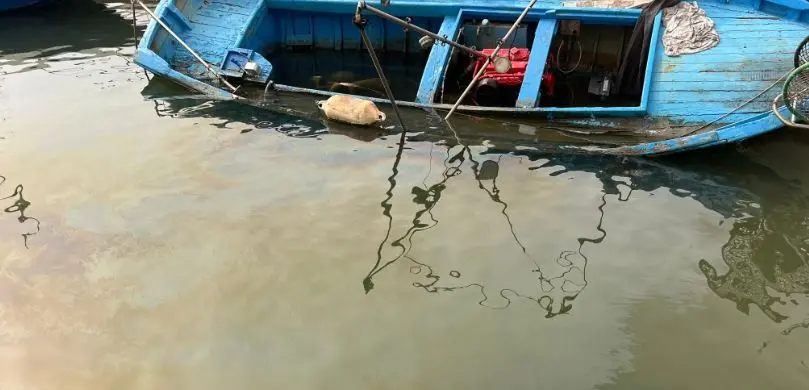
x,y
679,75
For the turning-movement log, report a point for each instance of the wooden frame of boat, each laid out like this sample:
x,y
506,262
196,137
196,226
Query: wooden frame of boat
x,y
692,101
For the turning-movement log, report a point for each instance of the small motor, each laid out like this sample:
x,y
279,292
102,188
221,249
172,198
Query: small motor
x,y
251,69
601,84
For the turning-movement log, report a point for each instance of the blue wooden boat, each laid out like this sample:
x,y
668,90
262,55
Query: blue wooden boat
x,y
607,64
11,5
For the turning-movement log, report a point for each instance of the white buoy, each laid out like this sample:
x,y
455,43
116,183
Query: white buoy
x,y
351,110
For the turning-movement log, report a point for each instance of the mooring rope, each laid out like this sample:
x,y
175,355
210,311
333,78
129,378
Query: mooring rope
x,y
758,95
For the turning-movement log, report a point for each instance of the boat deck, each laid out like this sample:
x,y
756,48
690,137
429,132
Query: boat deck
x,y
755,50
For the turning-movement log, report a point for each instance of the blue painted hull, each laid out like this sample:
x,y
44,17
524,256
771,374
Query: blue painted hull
x,y
10,5
687,102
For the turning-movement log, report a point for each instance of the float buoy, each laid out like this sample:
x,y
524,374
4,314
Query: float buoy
x,y
351,110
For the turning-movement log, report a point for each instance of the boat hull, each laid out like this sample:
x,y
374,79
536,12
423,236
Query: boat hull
x,y
709,98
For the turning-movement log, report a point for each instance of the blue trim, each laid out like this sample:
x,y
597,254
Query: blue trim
x,y
654,43
437,62
249,30
797,5
594,15
157,65
175,18
433,8
531,88
754,126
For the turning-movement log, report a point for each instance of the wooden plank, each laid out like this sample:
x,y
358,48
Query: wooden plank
x,y
375,29
261,33
686,109
351,36
738,26
175,19
211,50
749,65
798,5
324,33
221,20
704,118
750,50
666,97
214,11
395,37
211,32
710,86
729,77
761,38
222,7
605,3
298,30
438,60
740,57
531,88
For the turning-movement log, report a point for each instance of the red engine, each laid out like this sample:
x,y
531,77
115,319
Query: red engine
x,y
519,60
515,76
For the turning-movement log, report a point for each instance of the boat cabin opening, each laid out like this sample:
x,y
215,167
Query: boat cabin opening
x,y
555,63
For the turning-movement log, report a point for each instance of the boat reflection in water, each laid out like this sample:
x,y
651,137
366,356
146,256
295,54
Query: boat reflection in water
x,y
765,256
17,206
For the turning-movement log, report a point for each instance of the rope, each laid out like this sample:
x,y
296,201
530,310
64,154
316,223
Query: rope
x,y
558,54
739,107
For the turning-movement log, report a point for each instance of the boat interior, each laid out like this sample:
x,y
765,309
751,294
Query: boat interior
x,y
574,56
577,66
582,62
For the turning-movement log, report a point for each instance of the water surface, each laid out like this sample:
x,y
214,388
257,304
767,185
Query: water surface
x,y
174,242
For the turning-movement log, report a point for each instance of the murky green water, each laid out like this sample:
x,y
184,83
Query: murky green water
x,y
185,244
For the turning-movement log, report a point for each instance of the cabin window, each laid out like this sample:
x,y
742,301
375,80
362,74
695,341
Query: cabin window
x,y
582,58
585,59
